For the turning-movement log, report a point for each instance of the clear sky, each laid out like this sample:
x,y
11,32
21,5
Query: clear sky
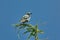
x,y
42,11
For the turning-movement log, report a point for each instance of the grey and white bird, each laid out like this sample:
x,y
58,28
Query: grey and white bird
x,y
26,17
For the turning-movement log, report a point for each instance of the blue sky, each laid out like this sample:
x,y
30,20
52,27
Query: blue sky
x,y
43,11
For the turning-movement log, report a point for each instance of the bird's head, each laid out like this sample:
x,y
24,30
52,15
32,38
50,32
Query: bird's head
x,y
28,13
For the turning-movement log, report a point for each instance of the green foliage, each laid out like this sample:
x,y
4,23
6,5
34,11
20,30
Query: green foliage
x,y
32,30
20,26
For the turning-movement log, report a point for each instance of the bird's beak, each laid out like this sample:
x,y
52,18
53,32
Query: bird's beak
x,y
30,13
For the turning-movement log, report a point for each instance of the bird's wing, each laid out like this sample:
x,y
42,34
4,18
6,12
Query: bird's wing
x,y
22,20
26,16
29,18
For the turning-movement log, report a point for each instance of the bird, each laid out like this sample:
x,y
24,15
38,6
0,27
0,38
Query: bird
x,y
26,17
